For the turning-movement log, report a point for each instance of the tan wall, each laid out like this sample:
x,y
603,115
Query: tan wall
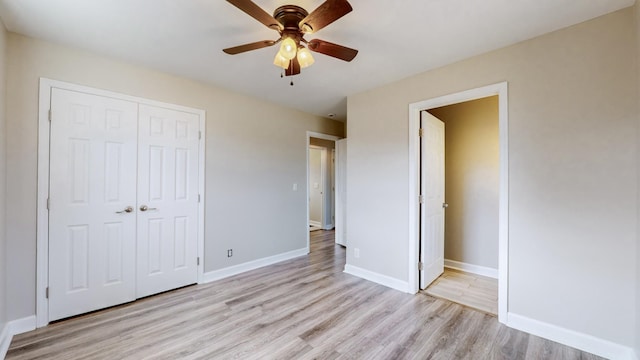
x,y
255,152
3,174
572,170
329,144
472,185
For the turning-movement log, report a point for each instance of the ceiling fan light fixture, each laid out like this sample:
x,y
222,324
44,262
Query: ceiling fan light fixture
x,y
281,61
292,24
288,48
304,57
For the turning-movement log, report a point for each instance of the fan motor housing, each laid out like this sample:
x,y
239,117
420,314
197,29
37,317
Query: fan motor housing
x,y
290,16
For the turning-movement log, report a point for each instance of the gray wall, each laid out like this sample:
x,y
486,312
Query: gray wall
x,y
3,176
572,169
472,169
255,152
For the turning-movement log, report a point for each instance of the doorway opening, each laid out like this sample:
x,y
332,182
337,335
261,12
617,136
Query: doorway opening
x,y
321,183
321,170
480,186
469,213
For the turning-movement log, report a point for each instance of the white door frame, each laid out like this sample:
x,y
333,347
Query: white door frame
x,y
317,135
332,187
500,89
42,215
340,186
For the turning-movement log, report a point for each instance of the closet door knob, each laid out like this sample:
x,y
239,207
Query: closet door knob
x,y
145,208
128,209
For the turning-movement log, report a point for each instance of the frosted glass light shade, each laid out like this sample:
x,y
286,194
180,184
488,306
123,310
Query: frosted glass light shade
x,y
304,57
288,48
281,61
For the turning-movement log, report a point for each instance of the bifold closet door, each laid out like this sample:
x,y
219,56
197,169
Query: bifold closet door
x,y
168,144
92,216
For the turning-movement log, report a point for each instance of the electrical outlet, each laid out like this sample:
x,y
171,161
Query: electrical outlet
x,y
230,253
356,253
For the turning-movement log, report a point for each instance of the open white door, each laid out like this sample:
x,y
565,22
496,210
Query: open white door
x,y
432,204
341,192
167,200
92,219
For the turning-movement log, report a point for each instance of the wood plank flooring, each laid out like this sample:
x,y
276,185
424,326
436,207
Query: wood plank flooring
x,y
305,308
478,292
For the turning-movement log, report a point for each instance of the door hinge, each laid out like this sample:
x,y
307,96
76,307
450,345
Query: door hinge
x,y
421,199
49,115
199,135
198,261
420,266
198,197
421,132
46,292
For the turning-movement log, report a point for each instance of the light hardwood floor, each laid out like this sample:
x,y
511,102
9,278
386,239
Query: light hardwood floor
x,y
478,292
305,308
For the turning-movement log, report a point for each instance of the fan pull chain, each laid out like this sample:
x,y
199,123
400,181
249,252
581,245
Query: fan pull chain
x,y
291,83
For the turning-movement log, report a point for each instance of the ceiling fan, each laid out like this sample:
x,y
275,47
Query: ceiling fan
x,y
293,23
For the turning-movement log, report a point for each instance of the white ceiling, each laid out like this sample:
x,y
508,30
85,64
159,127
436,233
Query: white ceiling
x,y
396,39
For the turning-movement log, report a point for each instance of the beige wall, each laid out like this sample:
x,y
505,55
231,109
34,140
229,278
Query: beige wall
x,y
255,152
472,169
329,144
3,175
572,170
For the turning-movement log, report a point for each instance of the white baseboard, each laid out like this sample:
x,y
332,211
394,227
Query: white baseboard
x,y
23,325
584,342
377,278
5,340
315,223
14,327
470,268
251,265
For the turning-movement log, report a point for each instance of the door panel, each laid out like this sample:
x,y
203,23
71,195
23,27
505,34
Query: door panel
x,y
92,178
168,187
432,210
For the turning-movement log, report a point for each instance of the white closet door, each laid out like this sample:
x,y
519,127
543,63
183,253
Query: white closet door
x,y
92,181
432,209
167,199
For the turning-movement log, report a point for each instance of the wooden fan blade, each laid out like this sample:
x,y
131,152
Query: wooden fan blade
x,y
256,12
248,47
325,14
294,67
331,49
